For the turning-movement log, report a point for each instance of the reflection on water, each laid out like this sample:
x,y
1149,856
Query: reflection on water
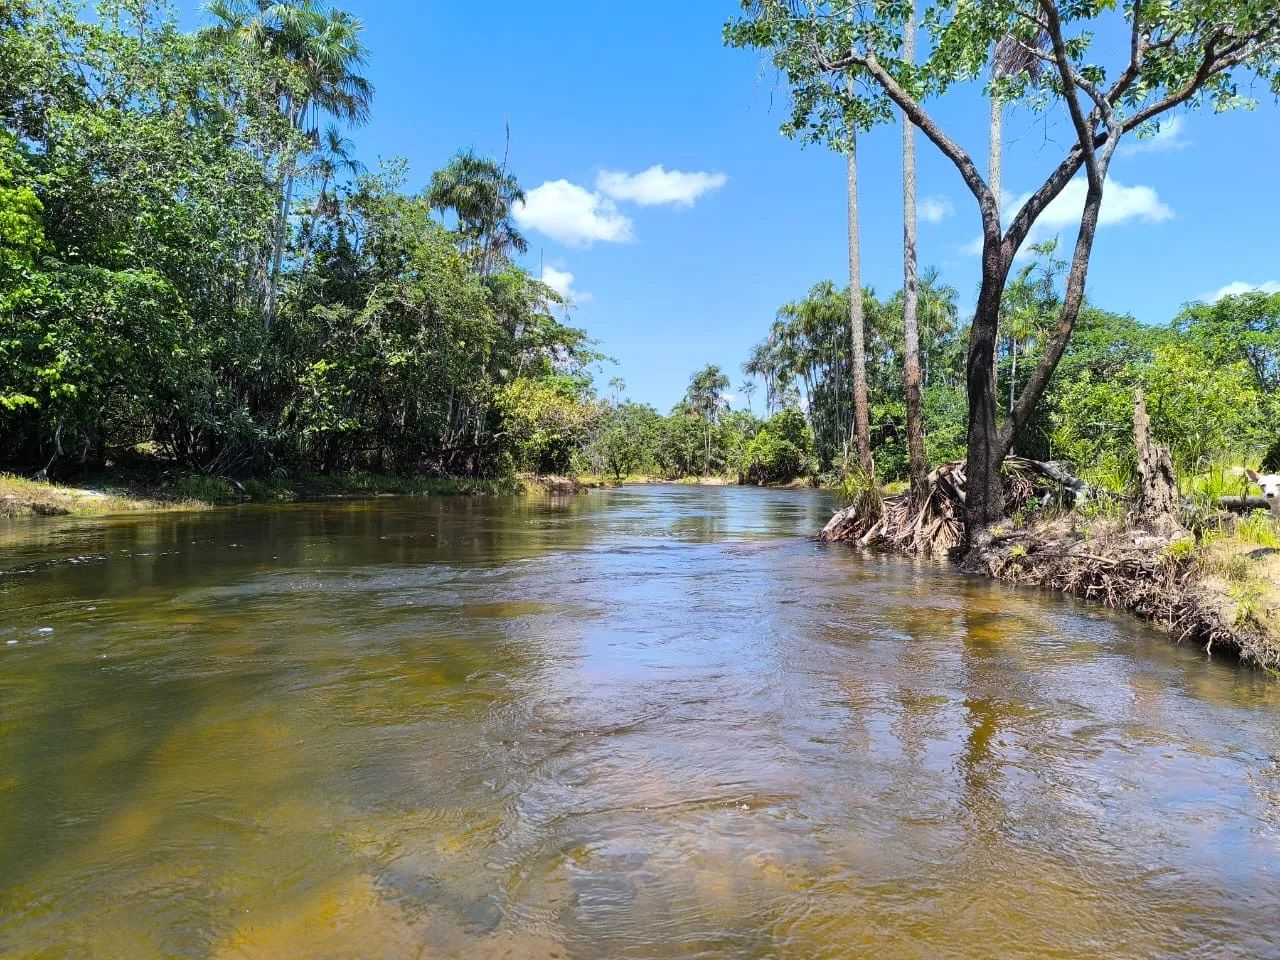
x,y
653,722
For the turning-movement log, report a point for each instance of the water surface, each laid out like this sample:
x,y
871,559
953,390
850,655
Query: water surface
x,y
645,723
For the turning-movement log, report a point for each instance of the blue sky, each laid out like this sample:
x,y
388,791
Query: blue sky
x,y
666,285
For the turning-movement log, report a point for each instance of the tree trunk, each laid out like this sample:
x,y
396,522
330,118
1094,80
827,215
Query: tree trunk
x,y
857,327
296,121
910,292
1072,301
984,491
277,254
995,171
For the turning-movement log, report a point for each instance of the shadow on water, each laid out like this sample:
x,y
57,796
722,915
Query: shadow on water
x,y
647,722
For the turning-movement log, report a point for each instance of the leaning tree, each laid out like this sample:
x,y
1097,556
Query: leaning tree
x,y
1112,69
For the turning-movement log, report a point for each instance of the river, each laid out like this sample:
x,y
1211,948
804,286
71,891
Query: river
x,y
642,723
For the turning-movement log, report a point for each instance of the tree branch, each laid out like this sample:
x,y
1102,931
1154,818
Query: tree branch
x,y
928,126
1215,61
1067,316
1030,211
1084,130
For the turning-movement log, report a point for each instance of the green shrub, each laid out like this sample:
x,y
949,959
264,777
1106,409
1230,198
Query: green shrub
x,y
207,489
781,451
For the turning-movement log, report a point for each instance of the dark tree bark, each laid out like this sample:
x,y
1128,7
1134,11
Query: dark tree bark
x,y
984,493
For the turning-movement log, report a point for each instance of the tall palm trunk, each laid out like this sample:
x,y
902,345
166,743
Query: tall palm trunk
x,y
995,162
1013,374
857,320
296,120
910,291
277,253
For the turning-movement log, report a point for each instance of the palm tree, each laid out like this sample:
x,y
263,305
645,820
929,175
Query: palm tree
x,y
320,52
910,292
705,398
481,195
857,321
335,158
760,364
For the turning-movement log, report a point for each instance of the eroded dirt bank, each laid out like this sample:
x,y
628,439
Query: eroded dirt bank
x,y
1221,590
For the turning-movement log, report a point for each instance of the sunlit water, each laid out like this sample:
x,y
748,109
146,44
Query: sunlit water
x,y
654,722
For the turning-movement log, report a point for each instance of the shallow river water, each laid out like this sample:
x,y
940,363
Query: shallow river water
x,y
644,723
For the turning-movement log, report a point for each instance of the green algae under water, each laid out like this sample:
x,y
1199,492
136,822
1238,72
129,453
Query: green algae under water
x,y
643,723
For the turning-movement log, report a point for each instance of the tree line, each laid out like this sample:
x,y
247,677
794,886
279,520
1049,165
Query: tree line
x,y
1211,376
194,267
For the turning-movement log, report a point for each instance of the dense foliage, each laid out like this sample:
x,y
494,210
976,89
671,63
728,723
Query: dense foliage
x,y
1210,378
193,266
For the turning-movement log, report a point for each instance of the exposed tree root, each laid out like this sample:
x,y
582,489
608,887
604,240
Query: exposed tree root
x,y
937,526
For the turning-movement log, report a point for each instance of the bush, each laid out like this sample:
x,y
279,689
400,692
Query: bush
x,y
198,486
781,451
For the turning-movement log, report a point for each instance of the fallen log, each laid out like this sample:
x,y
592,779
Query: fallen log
x,y
1244,504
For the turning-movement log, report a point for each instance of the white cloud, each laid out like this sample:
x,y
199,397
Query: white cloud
x,y
561,281
572,214
1168,137
1120,204
1239,287
935,209
657,186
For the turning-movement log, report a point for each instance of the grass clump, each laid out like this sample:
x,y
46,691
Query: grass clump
x,y
20,497
1259,527
203,488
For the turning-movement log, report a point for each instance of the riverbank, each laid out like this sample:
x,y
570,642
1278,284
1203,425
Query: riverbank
x,y
136,491
598,481
20,497
148,489
601,481
1218,587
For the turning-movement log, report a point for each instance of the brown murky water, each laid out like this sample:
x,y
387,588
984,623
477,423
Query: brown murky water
x,y
654,722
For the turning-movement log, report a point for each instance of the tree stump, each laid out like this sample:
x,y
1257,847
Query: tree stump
x,y
1157,484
